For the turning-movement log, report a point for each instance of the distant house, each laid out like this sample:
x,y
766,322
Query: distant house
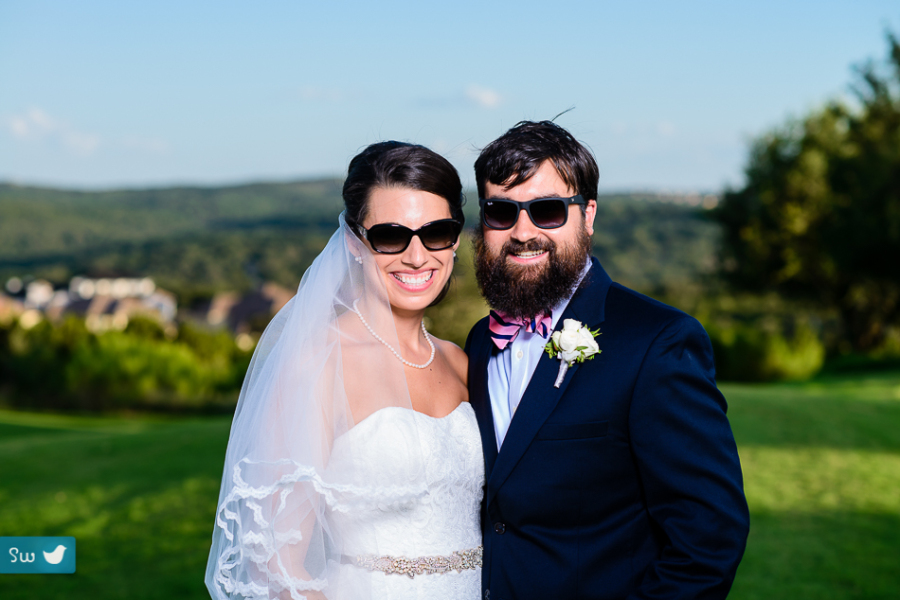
x,y
29,300
38,293
247,312
107,303
110,303
10,308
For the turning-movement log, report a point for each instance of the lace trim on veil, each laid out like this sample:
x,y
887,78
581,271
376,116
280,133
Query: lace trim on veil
x,y
260,546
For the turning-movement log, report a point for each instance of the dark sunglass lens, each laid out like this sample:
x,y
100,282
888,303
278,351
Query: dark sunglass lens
x,y
500,215
549,214
439,236
389,240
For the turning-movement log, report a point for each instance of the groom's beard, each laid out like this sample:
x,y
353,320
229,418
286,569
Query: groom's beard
x,y
525,291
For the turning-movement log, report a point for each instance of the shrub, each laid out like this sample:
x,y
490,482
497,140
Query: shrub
x,y
752,352
65,366
145,327
120,370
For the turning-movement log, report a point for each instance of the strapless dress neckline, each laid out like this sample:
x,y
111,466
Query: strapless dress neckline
x,y
424,478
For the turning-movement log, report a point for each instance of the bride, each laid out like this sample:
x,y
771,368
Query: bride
x,y
354,467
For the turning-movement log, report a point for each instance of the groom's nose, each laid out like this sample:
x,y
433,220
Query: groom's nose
x,y
524,229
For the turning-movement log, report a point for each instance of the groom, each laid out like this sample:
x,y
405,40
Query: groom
x,y
623,481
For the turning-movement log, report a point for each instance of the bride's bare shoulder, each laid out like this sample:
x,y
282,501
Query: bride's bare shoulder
x,y
455,356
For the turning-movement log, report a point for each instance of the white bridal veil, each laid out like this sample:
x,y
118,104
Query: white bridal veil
x,y
290,465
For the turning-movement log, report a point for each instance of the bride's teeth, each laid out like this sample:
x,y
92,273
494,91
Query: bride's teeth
x,y
414,279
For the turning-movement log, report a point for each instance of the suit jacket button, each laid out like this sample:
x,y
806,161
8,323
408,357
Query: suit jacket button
x,y
499,528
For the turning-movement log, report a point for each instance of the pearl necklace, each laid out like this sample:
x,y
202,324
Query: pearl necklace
x,y
389,347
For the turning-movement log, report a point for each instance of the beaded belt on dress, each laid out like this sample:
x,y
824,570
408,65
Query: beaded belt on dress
x,y
458,561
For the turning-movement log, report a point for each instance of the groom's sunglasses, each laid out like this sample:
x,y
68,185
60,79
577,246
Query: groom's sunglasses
x,y
390,238
545,213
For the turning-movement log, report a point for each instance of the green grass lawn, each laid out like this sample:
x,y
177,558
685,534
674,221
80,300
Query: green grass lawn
x,y
139,496
821,466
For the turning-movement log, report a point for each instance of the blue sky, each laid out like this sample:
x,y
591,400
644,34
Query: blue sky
x,y
102,94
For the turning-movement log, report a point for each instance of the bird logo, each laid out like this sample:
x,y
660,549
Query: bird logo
x,y
55,557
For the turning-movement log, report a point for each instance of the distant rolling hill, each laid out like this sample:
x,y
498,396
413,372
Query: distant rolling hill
x,y
39,221
197,240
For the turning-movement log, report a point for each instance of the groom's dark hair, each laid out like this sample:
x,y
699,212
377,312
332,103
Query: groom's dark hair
x,y
514,157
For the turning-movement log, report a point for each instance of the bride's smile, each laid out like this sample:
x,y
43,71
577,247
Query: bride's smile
x,y
414,281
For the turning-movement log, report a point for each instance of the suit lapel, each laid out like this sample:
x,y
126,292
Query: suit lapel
x,y
540,398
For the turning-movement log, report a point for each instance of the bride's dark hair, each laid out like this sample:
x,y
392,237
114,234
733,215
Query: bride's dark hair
x,y
398,164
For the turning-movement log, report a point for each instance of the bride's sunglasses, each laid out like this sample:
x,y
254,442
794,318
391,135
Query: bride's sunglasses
x,y
545,213
390,238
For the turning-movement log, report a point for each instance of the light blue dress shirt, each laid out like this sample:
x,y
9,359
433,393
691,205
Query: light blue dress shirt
x,y
510,370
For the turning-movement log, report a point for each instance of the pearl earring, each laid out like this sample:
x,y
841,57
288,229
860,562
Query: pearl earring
x,y
359,259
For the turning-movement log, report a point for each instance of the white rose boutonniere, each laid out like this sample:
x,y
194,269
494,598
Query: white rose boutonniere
x,y
573,343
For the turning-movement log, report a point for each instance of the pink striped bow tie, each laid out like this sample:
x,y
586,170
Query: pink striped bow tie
x,y
505,329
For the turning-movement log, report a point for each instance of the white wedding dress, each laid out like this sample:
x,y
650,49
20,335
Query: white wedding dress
x,y
315,496
409,523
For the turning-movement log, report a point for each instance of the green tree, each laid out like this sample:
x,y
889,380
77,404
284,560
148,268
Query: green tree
x,y
819,216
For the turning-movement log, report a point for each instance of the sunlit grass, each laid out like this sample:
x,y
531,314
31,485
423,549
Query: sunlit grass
x,y
821,479
821,465
821,468
138,496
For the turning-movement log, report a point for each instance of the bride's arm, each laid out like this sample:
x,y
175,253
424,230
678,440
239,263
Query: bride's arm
x,y
307,516
270,540
291,559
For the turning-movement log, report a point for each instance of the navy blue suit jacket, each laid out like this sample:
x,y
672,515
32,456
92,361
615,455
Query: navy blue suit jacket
x,y
625,481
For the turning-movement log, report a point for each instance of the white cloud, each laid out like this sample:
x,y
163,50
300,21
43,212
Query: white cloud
x,y
80,143
665,129
471,95
36,125
483,97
